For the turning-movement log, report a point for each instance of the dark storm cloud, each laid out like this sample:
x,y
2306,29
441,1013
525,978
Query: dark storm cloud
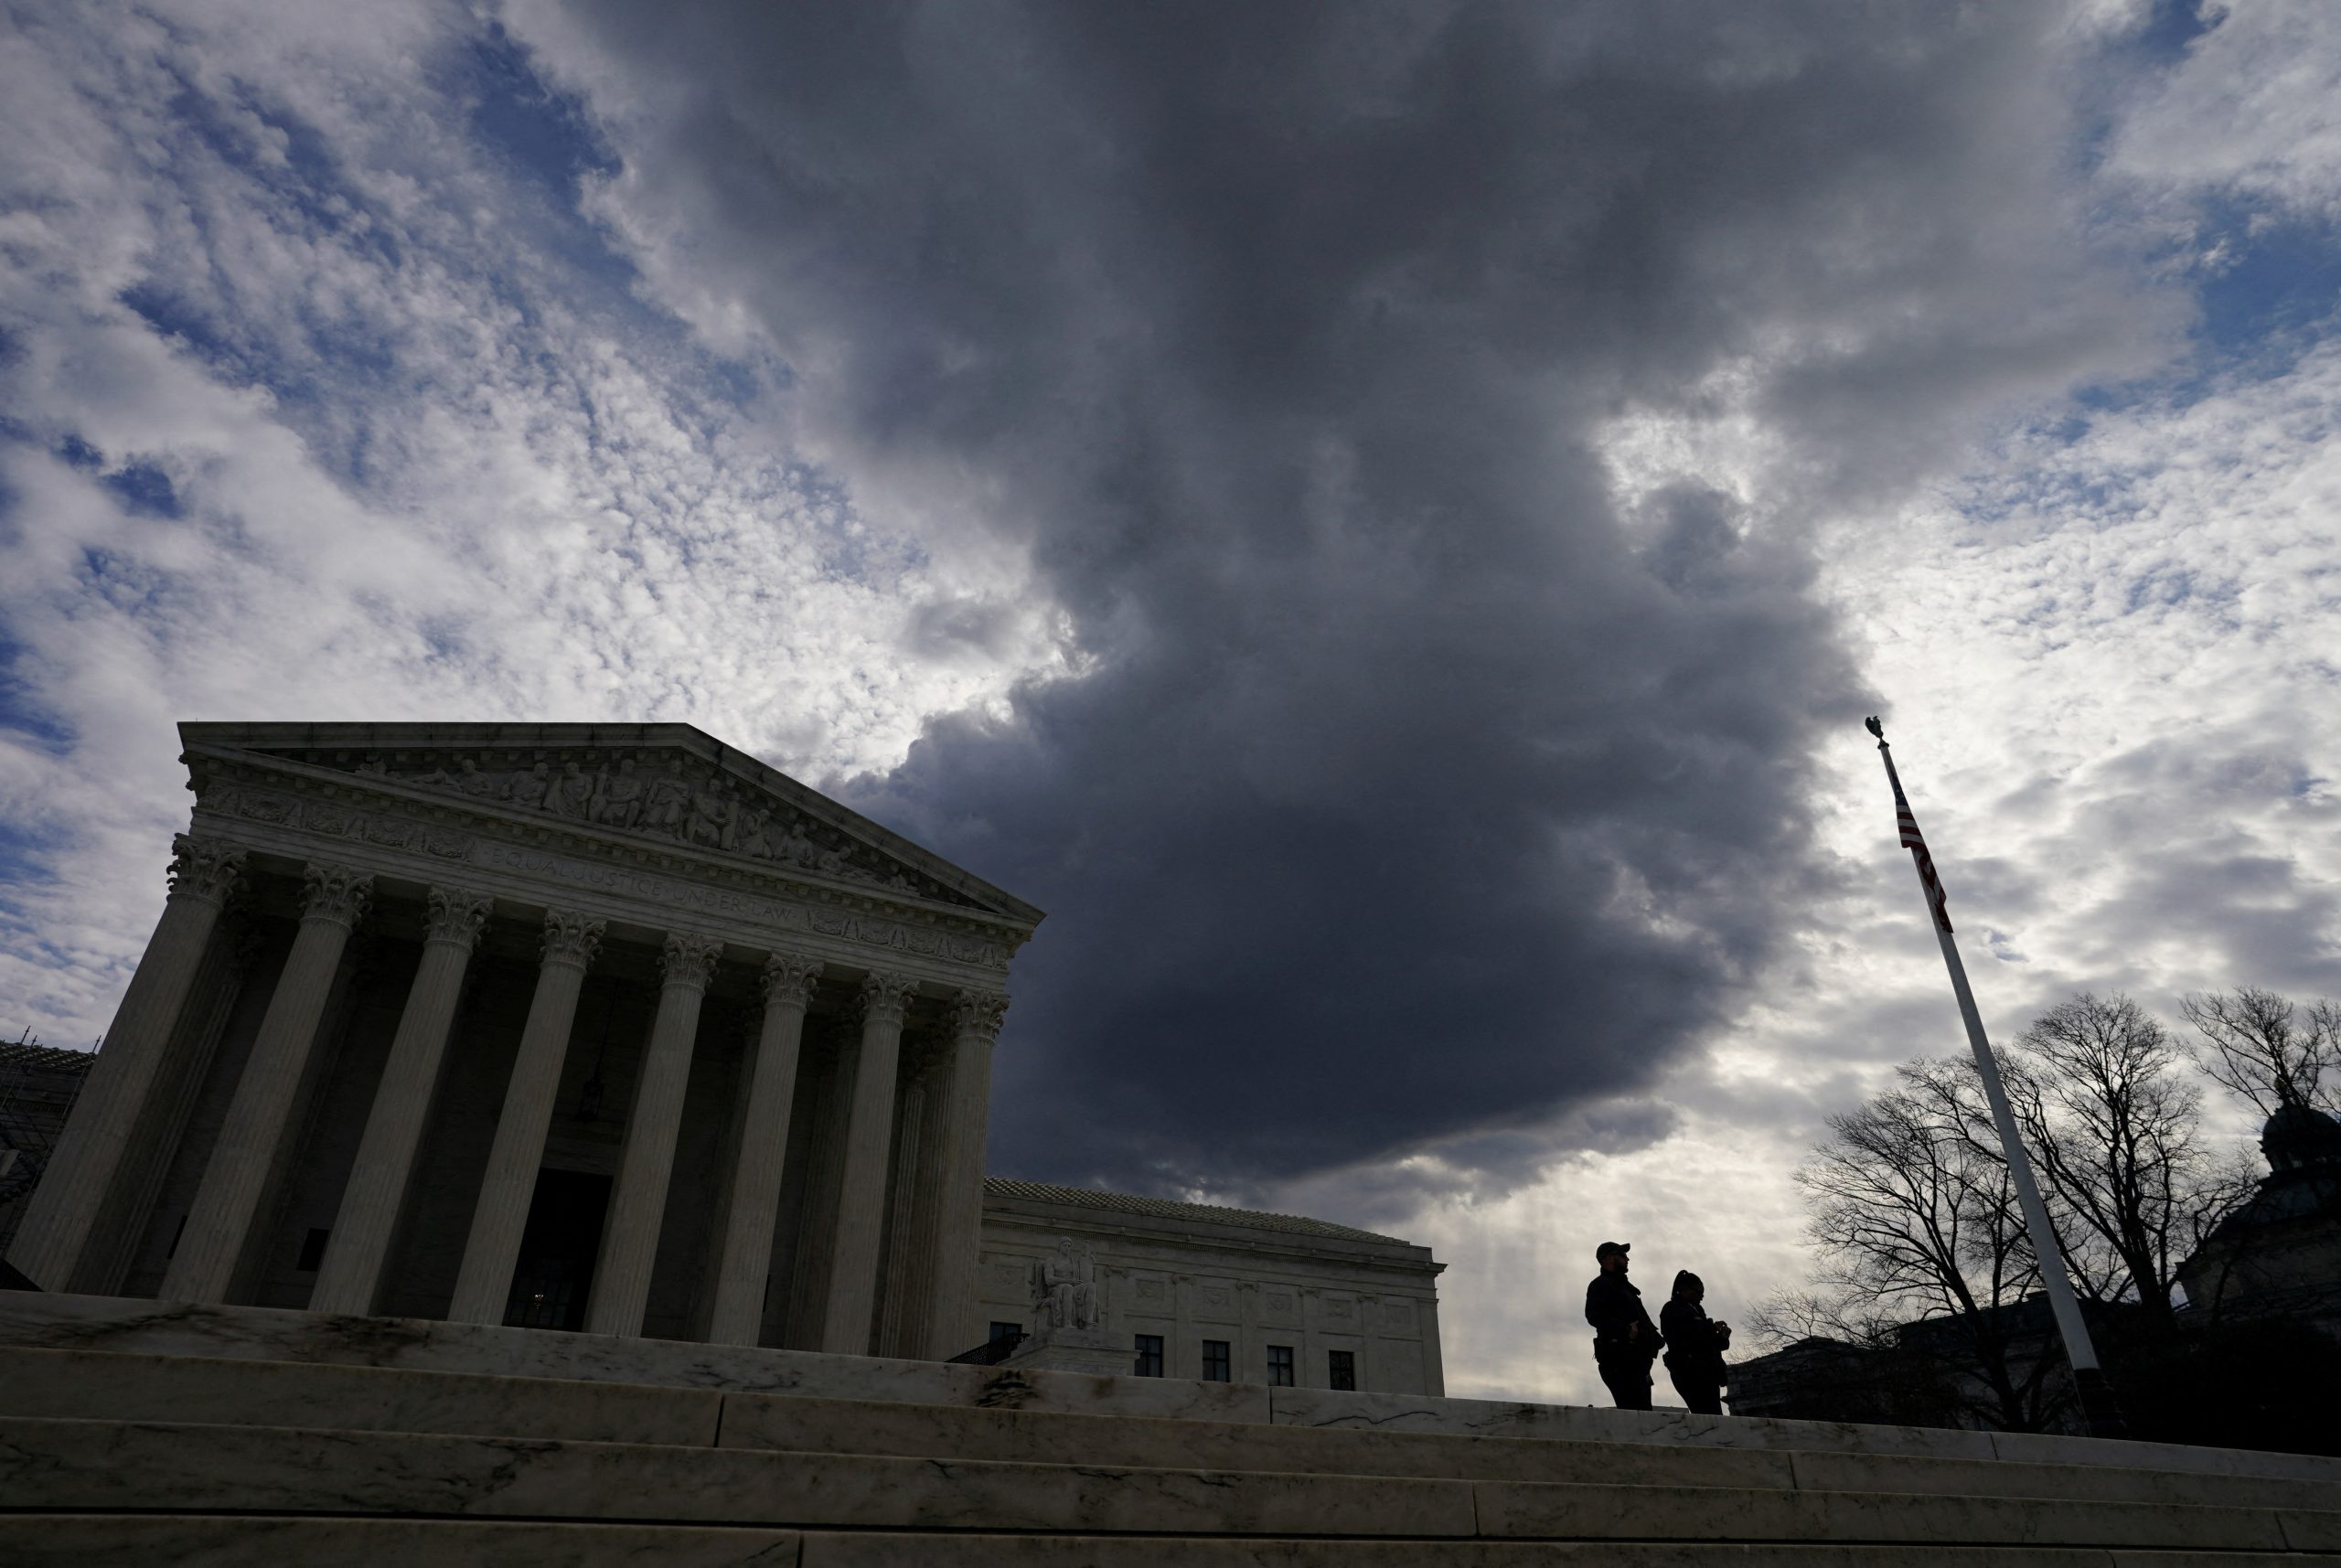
x,y
1407,791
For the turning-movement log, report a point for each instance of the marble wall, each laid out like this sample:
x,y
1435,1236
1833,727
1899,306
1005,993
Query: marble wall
x,y
1228,1275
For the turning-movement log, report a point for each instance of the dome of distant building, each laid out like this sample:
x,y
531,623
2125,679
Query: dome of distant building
x,y
2300,1136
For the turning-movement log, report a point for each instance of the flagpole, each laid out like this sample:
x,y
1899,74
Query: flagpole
x,y
2097,1407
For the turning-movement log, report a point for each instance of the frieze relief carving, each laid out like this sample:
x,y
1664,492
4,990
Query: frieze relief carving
x,y
277,809
665,796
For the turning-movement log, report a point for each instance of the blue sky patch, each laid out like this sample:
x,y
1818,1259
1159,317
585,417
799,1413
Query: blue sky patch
x,y
144,490
2279,287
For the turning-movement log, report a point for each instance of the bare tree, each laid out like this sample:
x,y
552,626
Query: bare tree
x,y
1923,1247
2268,1051
2115,1134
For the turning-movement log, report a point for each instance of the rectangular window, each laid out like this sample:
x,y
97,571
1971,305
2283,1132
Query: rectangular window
x,y
1215,1362
1149,1356
313,1250
1341,1369
1280,1366
1004,1331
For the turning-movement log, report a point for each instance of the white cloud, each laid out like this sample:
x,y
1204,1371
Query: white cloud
x,y
2255,107
2108,655
423,465
2116,700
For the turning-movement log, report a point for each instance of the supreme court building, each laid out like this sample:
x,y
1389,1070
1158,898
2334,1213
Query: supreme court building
x,y
607,1028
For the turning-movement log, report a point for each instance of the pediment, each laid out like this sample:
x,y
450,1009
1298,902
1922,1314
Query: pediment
x,y
669,784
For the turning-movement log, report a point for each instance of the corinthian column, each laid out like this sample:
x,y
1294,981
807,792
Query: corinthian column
x,y
254,1138
630,1240
57,1245
360,1245
746,1257
485,1280
957,1235
861,1195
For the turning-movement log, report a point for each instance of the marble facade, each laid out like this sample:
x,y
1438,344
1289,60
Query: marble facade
x,y
423,995
1334,1299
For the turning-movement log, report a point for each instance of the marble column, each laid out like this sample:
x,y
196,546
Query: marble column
x,y
235,948
360,1247
638,1202
263,1115
57,1243
955,1237
484,1283
905,1299
828,1081
847,1319
745,1260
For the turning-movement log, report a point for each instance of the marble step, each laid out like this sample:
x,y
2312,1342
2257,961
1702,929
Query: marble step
x,y
186,1541
102,1467
211,1541
121,1387
107,1385
825,1425
97,1384
275,1335
52,1320
825,1548
1493,1418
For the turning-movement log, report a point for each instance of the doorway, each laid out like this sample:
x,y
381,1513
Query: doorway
x,y
558,1247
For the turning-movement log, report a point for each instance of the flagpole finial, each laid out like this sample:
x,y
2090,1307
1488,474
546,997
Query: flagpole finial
x,y
1876,729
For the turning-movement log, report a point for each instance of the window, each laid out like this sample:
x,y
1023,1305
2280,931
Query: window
x,y
1215,1362
1006,1331
1341,1369
1280,1366
313,1250
1149,1356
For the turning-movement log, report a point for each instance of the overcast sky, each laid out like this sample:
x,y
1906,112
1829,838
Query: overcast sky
x,y
1385,521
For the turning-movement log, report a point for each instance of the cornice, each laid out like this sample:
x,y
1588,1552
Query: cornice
x,y
250,797
552,742
1322,1251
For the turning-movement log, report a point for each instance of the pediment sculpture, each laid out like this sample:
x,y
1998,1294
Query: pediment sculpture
x,y
669,798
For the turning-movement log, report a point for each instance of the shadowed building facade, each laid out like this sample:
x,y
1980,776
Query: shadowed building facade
x,y
575,1026
602,1028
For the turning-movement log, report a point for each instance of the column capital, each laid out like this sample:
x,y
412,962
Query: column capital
x,y
689,960
338,894
206,869
571,939
885,996
789,978
456,915
977,1015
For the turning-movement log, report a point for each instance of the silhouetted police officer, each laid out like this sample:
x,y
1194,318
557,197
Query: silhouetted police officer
x,y
1625,1341
1695,1345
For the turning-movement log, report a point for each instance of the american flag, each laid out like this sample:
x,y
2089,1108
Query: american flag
x,y
1917,847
